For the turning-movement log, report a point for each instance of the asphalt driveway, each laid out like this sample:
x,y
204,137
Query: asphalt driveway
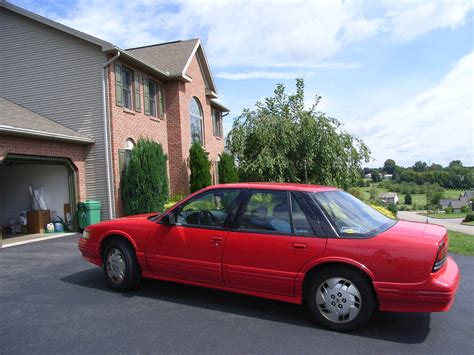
x,y
51,301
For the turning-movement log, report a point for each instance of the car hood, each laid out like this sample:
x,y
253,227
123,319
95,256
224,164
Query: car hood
x,y
139,216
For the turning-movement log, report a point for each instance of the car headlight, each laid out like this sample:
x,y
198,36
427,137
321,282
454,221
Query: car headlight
x,y
86,234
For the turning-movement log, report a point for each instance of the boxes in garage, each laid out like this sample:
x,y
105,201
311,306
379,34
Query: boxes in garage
x,y
37,221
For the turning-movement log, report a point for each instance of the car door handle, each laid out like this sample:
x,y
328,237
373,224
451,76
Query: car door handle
x,y
216,239
299,246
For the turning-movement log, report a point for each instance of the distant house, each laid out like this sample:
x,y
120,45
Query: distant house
x,y
388,176
468,194
457,205
444,203
368,176
389,197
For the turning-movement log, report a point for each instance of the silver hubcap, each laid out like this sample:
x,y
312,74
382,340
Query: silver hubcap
x,y
338,300
116,265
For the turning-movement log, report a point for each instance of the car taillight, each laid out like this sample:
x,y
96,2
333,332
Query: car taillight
x,y
441,255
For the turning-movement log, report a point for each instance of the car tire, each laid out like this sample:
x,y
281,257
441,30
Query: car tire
x,y
340,298
121,269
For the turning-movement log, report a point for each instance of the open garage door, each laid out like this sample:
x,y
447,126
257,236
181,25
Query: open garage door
x,y
56,176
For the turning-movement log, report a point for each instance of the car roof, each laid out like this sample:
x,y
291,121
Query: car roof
x,y
276,186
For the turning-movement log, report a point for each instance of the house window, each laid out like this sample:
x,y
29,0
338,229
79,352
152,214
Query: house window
x,y
195,114
127,88
217,123
154,98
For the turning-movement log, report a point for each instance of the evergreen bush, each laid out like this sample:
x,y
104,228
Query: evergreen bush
x,y
144,183
227,170
199,165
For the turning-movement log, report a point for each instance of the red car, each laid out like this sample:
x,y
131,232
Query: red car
x,y
295,243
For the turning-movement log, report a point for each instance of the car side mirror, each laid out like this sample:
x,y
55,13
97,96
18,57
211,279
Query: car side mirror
x,y
169,219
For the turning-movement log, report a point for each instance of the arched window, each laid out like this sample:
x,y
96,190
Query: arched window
x,y
195,114
129,144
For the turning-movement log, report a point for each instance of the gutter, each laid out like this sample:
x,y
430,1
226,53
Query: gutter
x,y
110,194
37,133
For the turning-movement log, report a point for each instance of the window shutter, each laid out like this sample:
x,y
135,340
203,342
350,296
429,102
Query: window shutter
x,y
161,102
121,160
118,85
136,85
146,96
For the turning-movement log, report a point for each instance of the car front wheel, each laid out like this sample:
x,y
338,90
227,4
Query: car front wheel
x,y
340,298
121,269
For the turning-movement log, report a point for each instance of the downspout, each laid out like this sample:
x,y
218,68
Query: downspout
x,y
106,135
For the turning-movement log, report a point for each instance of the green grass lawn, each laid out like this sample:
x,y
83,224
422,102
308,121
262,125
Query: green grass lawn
x,y
469,223
461,243
447,216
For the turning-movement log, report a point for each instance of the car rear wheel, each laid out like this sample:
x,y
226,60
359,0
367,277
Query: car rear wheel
x,y
340,298
121,269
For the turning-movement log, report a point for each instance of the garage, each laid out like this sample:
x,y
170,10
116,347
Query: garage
x,y
35,191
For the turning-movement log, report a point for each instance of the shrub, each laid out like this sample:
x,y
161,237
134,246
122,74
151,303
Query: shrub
x,y
448,210
355,192
392,208
408,200
199,165
227,169
469,217
383,211
465,209
144,183
173,200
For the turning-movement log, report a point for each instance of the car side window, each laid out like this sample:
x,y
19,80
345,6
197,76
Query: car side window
x,y
210,209
301,224
267,211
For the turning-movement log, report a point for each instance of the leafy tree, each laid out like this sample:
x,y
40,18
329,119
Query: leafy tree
x,y
227,170
144,183
373,192
408,199
355,192
435,167
455,164
389,166
199,165
282,141
375,174
420,166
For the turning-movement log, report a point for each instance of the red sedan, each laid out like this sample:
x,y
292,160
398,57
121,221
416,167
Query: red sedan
x,y
295,243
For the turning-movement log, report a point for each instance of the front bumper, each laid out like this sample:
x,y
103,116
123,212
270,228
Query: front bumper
x,y
434,295
90,251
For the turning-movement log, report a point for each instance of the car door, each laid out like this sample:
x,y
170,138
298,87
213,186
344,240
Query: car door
x,y
191,249
271,241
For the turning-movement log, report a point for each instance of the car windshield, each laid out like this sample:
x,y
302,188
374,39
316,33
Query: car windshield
x,y
350,216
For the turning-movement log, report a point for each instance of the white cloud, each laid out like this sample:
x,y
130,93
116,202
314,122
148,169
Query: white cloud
x,y
435,125
409,22
297,33
257,74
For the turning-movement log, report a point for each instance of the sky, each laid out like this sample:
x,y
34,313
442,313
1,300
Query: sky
x,y
398,74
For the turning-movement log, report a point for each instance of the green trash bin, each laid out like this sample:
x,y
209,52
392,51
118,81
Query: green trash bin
x,y
88,212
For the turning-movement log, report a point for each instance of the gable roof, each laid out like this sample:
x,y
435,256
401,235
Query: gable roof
x,y
175,57
17,120
458,203
444,202
388,195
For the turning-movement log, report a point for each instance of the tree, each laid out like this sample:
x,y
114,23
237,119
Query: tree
x,y
227,170
144,183
282,141
455,164
375,174
389,166
199,165
373,192
420,166
408,199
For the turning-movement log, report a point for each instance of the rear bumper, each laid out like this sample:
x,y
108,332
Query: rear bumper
x,y
90,251
434,295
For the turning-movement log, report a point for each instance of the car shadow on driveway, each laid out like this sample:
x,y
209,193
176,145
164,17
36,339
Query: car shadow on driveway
x,y
404,328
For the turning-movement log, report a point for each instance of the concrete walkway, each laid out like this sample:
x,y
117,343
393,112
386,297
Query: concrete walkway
x,y
453,224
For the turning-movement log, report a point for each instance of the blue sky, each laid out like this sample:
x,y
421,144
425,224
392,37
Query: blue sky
x,y
399,74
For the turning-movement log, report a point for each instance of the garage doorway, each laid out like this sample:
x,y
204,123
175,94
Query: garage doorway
x,y
57,178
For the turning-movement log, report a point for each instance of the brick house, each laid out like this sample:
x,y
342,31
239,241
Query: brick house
x,y
72,107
